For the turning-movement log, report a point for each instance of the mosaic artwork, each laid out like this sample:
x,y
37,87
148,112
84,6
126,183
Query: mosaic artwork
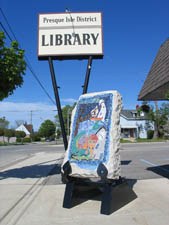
x,y
91,140
91,126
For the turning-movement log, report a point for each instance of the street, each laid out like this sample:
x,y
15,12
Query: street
x,y
10,155
139,161
145,160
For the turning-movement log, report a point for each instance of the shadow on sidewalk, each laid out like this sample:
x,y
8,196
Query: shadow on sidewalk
x,y
121,195
33,171
162,170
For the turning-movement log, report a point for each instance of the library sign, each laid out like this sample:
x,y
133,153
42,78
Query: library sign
x,y
70,35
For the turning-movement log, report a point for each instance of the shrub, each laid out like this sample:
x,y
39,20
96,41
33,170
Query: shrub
x,y
27,140
20,134
35,137
18,140
150,134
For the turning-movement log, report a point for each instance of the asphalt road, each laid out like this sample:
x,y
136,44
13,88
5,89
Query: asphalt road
x,y
11,155
139,161
145,160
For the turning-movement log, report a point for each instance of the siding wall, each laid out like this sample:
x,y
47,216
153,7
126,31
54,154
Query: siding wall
x,y
141,126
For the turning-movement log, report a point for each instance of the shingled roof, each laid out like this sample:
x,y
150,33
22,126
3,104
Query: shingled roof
x,y
131,114
156,85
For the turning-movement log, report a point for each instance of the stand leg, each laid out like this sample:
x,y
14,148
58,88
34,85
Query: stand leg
x,y
106,200
67,201
89,65
55,88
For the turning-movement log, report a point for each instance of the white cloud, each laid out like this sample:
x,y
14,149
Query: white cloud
x,y
36,111
20,106
69,100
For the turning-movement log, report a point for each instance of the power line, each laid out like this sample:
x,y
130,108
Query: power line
x,y
26,58
8,24
6,31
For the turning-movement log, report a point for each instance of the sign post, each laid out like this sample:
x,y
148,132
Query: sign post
x,y
69,36
55,87
89,66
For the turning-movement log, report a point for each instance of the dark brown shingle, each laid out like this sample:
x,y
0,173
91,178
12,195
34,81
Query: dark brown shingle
x,y
156,84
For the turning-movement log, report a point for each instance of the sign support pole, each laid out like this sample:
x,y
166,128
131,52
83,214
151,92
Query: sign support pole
x,y
57,99
89,65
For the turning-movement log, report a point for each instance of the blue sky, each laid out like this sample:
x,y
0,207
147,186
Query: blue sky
x,y
133,31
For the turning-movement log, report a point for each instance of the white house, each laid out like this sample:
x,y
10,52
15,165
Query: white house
x,y
26,128
134,125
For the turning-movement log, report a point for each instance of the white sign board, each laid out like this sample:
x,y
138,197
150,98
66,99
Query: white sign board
x,y
70,35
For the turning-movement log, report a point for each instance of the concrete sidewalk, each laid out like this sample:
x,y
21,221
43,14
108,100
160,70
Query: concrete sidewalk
x,y
28,199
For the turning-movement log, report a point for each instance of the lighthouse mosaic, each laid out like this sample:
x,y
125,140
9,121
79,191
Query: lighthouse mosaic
x,y
95,134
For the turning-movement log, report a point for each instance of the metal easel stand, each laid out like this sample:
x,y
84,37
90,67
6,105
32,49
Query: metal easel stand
x,y
93,190
102,183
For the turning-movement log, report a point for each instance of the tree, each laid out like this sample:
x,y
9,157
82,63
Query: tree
x,y
66,112
9,133
35,136
166,129
47,129
12,67
167,95
2,133
160,117
58,133
20,134
4,123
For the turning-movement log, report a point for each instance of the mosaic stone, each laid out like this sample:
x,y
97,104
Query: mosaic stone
x,y
95,135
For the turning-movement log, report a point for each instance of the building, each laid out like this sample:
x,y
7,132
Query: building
x,y
156,85
134,125
27,128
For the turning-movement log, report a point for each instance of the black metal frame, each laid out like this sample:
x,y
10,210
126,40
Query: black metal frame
x,y
57,99
106,194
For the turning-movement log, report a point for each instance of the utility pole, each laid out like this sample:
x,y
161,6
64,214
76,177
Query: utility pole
x,y
31,116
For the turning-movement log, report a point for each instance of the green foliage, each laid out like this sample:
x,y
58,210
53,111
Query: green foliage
x,y
160,118
167,95
124,141
35,136
20,134
150,134
19,140
27,140
23,140
47,129
66,112
9,133
12,67
145,108
1,131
